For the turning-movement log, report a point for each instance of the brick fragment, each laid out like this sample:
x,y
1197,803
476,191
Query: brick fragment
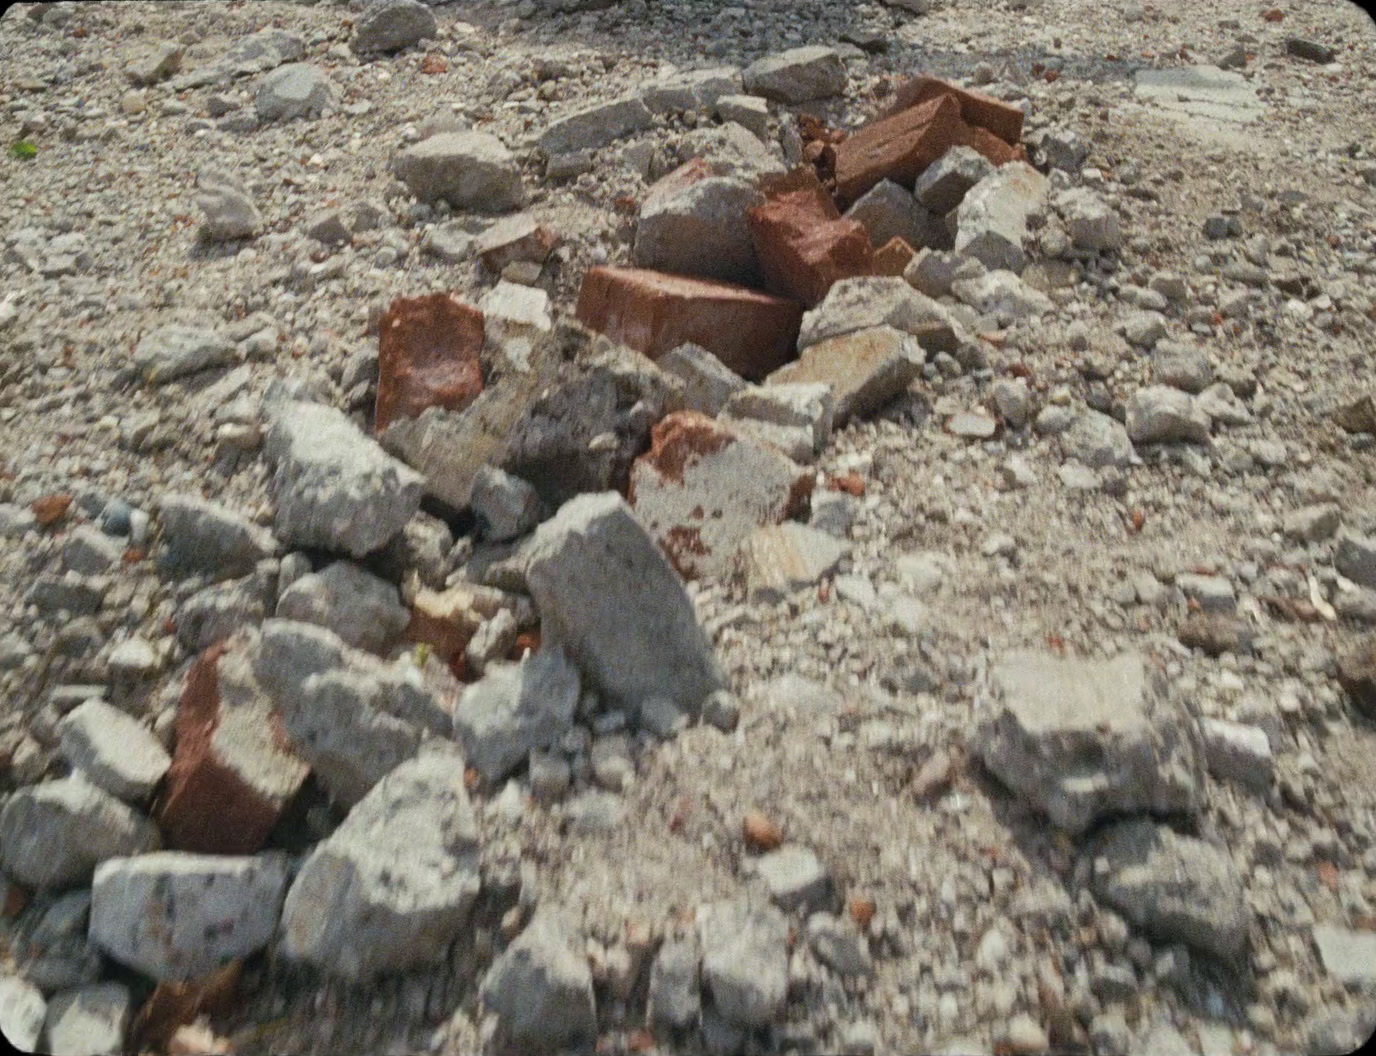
x,y
428,350
897,148
803,244
983,111
893,257
233,771
652,312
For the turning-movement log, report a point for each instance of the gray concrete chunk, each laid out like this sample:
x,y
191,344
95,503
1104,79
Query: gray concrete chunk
x,y
797,75
674,997
177,916
364,610
945,182
204,538
297,89
707,382
1083,739
390,25
541,988
469,170
596,126
795,878
113,750
391,887
88,1021
867,302
744,961
23,1010
992,220
173,352
608,595
699,230
335,488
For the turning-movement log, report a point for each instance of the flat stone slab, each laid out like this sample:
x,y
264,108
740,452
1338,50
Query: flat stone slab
x,y
1201,91
1348,956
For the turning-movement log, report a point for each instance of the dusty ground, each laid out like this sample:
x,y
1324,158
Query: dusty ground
x,y
836,777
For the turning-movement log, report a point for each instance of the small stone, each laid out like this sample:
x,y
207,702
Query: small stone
x,y
1348,956
1237,752
839,945
391,25
295,90
1355,557
469,170
364,610
506,506
794,878
174,352
1160,414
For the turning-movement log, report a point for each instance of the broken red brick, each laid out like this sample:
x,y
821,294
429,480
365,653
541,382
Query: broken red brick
x,y
897,148
233,771
983,111
801,241
893,257
51,508
653,312
428,350
991,146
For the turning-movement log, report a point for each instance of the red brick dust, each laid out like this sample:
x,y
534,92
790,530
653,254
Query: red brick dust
x,y
428,356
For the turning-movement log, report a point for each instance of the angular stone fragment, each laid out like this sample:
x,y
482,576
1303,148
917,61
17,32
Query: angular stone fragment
x,y
865,369
1096,440
691,90
176,916
749,111
897,148
390,25
428,349
703,488
652,312
1348,956
992,220
674,1000
515,238
1089,220
391,887
797,75
944,183
336,489
607,594
839,944
699,229
707,382
229,211
469,170
1159,414
863,303
156,64
795,878
204,538
365,611
1354,556
889,211
297,89
893,257
516,709
113,750
541,989
595,126
744,961
22,1011
1357,416
1004,296
506,506
233,771
88,1021
174,352
1175,888
1236,752
801,241
54,834
1181,366
779,559
731,150
211,615
1357,675
1083,739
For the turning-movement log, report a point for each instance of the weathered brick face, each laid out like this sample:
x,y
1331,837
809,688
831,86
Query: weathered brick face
x,y
428,356
981,111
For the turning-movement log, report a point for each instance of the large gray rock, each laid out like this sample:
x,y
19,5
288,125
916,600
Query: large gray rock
x,y
1085,739
176,916
364,610
992,220
1175,888
674,999
297,89
469,170
888,211
113,750
608,595
699,230
744,961
54,834
541,988
88,1021
22,1011
1159,414
229,211
1097,440
596,126
516,709
870,301
797,75
335,488
390,25
173,352
391,887
707,382
206,539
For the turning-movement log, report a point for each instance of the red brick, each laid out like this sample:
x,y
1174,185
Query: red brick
x,y
684,176
996,150
982,111
893,257
233,771
653,312
896,148
801,241
428,350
